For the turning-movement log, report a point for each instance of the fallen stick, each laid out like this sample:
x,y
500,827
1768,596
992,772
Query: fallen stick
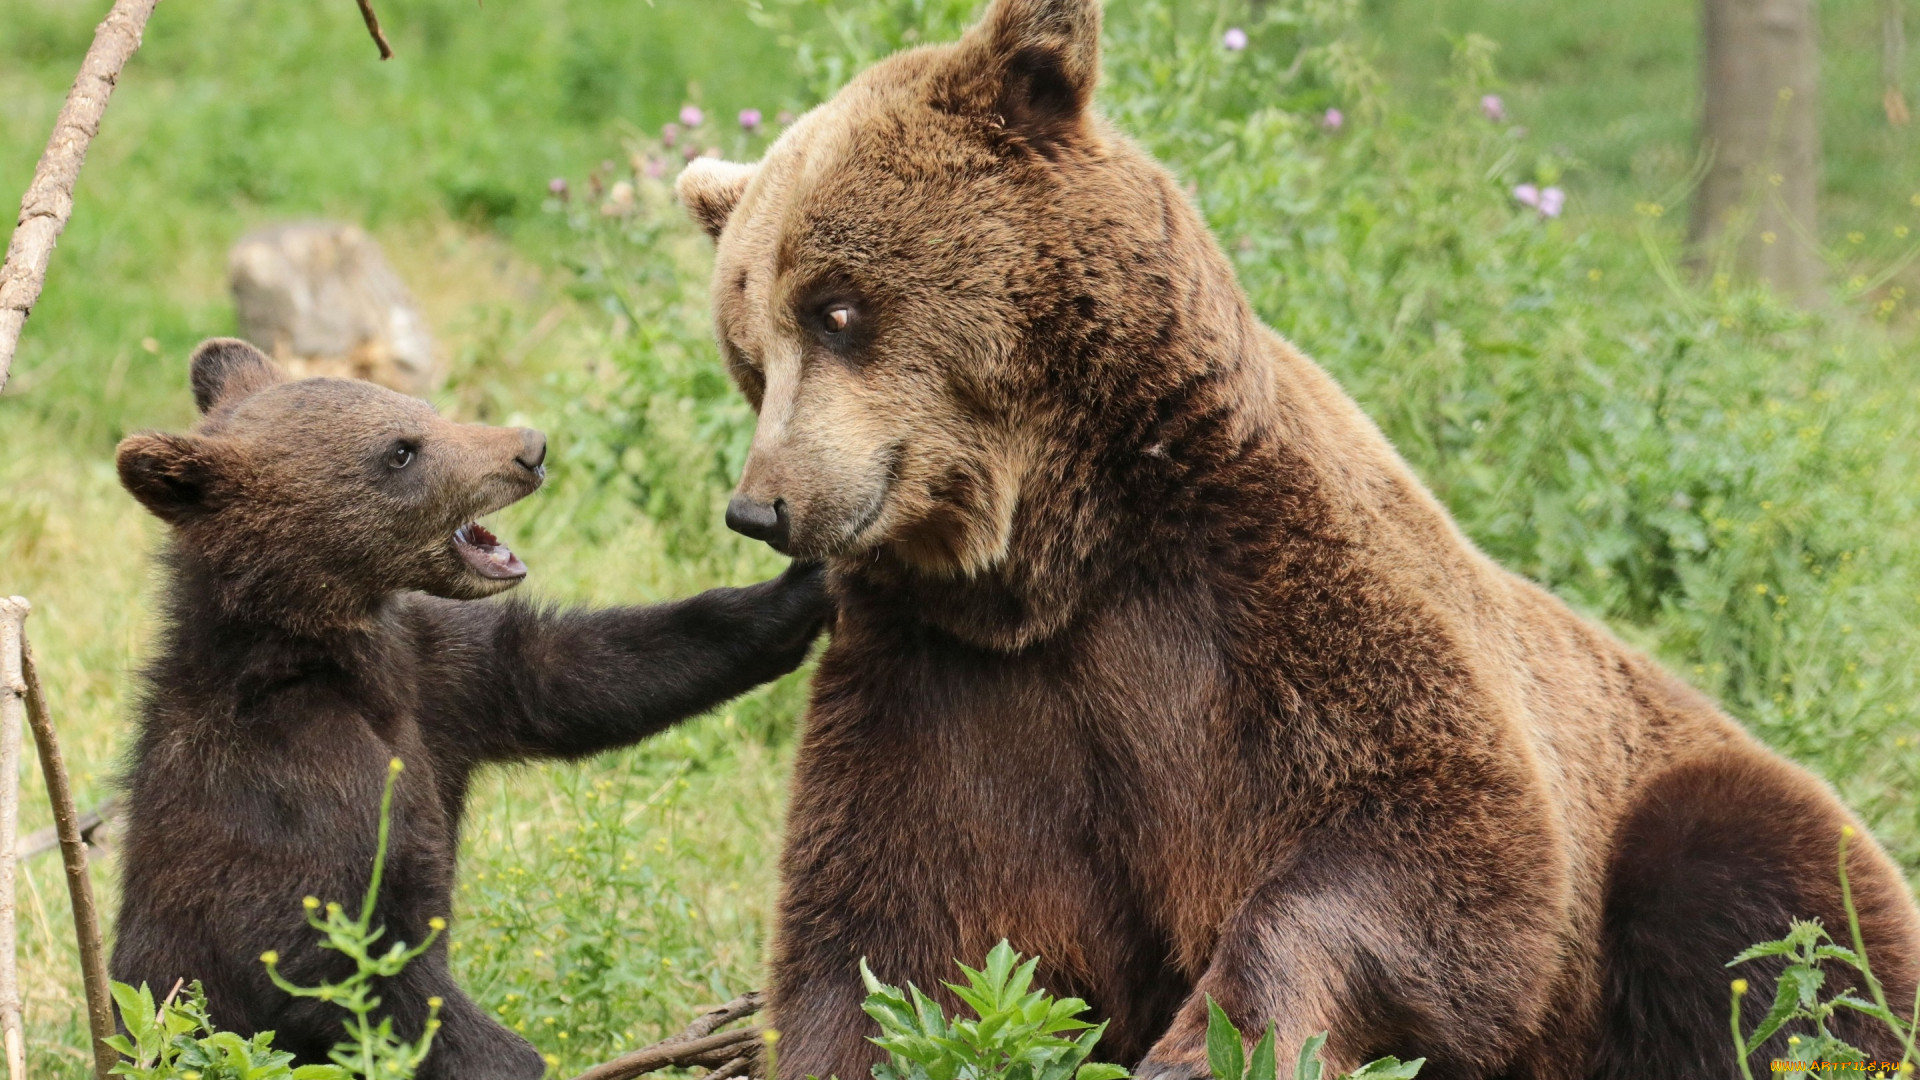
x,y
48,203
729,1054
13,702
73,850
40,841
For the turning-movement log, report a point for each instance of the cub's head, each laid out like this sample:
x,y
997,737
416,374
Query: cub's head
x,y
323,495
903,280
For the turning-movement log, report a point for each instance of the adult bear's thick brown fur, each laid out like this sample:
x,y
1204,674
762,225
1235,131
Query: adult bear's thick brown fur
x,y
316,628
1157,660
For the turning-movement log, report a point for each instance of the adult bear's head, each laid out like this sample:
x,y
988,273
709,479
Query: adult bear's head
x,y
932,278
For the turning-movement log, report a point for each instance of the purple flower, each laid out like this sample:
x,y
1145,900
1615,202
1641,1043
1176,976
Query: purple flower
x,y
691,116
1333,119
750,119
1493,108
557,187
669,134
1549,201
1234,39
654,169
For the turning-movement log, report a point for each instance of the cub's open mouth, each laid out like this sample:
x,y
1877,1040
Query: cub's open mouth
x,y
486,555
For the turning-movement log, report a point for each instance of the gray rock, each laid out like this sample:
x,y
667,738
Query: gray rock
x,y
322,299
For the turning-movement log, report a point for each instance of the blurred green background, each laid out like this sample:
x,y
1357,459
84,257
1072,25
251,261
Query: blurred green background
x,y
1728,482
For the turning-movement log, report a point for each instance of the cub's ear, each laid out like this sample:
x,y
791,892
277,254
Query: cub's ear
x,y
1032,66
175,476
228,369
710,189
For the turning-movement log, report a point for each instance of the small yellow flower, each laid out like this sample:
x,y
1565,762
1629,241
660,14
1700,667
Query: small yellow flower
x,y
394,766
311,903
566,1034
1593,275
1846,831
1857,281
269,958
434,1002
1901,231
770,1036
1768,237
1739,986
1776,179
436,923
552,1060
1761,589
1856,237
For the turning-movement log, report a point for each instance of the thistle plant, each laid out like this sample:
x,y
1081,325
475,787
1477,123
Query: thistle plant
x,y
1228,1059
1017,1032
1796,997
372,1050
177,1040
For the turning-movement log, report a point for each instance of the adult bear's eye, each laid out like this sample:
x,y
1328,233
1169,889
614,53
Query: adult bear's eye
x,y
400,456
837,318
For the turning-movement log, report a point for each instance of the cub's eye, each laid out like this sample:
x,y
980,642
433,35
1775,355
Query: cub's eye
x,y
837,318
400,456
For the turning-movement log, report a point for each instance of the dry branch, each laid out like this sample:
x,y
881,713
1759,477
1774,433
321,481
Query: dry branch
x,y
728,1054
13,707
73,850
373,27
49,200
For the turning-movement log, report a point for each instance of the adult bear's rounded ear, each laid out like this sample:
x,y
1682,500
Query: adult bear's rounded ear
x,y
228,369
175,476
1030,66
710,188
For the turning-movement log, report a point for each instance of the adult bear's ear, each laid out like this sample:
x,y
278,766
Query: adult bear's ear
x,y
1030,66
175,476
710,189
228,369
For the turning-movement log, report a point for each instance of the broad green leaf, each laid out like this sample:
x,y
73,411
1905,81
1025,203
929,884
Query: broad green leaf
x,y
1263,1065
1388,1068
1308,1066
1098,1071
1226,1055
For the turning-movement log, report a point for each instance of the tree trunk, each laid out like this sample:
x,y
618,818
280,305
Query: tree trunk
x,y
1756,204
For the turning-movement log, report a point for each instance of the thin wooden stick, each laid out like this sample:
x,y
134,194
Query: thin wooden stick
x,y
730,1053
373,27
73,851
49,200
13,702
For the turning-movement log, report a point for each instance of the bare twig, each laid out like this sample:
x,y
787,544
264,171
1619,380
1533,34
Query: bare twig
x,y
13,707
373,27
728,1054
49,200
73,849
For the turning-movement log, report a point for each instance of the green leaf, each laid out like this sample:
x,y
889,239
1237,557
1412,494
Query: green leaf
x,y
1098,1071
1264,1066
1226,1054
1308,1065
1388,1068
1798,987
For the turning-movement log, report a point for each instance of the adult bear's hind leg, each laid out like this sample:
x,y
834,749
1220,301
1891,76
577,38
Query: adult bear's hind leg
x,y
1716,856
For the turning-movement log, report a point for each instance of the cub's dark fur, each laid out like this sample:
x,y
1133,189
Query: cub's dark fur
x,y
319,622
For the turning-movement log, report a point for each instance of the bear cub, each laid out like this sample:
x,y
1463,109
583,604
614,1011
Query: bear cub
x,y
319,622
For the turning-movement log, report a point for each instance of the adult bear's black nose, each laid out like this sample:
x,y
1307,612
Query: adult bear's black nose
x,y
533,449
761,521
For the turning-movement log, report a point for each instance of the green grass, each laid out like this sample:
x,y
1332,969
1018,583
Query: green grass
x,y
1731,485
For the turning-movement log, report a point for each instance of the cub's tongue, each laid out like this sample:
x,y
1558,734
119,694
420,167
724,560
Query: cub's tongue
x,y
484,552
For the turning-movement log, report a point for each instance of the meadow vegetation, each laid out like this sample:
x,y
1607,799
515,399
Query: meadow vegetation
x,y
1731,484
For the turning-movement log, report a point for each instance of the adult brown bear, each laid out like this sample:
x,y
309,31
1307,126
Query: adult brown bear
x,y
1154,658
